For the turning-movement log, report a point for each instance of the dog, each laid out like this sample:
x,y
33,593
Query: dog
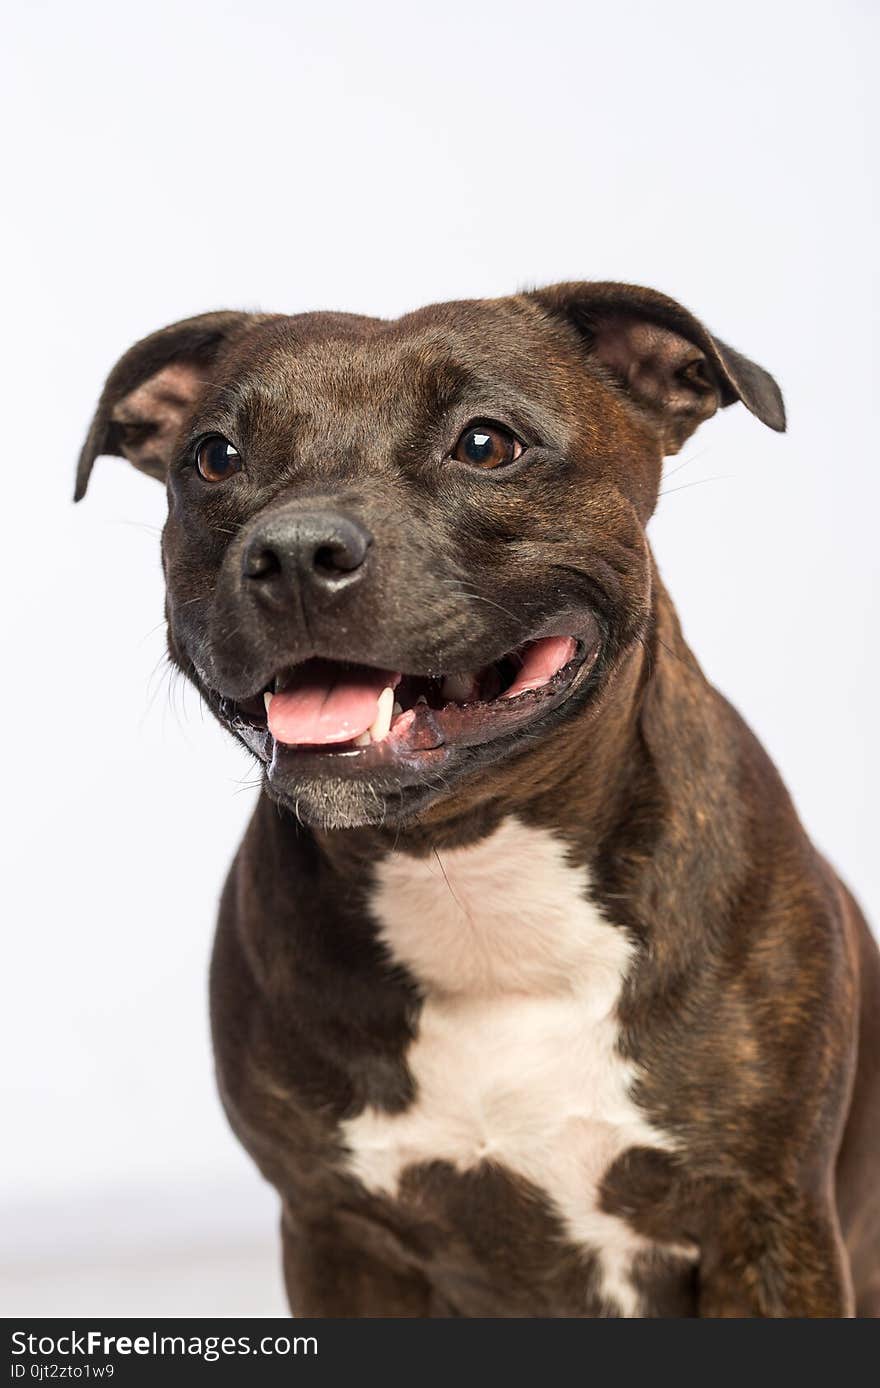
x,y
529,994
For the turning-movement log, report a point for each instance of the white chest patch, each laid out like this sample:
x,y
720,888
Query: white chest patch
x,y
516,1060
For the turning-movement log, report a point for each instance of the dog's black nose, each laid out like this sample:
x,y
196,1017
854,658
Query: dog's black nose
x,y
318,549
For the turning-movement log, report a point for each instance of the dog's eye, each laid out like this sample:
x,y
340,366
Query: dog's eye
x,y
216,459
487,446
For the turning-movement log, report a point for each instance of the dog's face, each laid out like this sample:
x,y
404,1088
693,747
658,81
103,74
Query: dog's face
x,y
398,553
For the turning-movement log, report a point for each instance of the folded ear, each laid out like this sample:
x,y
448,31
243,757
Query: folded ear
x,y
663,356
153,388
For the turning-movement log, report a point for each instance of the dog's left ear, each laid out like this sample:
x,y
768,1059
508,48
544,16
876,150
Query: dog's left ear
x,y
152,389
662,356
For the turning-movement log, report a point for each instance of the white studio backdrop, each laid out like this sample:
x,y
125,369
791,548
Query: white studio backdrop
x,y
169,159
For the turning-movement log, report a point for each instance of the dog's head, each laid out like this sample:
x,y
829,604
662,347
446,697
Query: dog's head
x,y
399,552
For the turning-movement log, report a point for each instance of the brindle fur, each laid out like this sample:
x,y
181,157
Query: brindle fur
x,y
753,1008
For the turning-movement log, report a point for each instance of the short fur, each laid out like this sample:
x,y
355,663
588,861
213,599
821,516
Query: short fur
x,y
570,1020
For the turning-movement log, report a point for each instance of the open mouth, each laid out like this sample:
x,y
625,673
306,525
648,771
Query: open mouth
x,y
330,709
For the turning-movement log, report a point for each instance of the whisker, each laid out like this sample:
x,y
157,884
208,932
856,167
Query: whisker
x,y
449,884
699,482
694,458
479,597
202,597
147,634
141,525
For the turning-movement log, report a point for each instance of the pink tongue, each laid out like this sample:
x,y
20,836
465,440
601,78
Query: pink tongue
x,y
540,662
327,703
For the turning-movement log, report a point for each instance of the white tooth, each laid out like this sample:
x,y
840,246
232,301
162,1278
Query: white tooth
x,y
458,688
421,700
396,710
362,740
382,724
267,699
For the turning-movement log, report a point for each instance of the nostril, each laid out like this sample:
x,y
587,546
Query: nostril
x,y
338,554
261,562
335,558
325,560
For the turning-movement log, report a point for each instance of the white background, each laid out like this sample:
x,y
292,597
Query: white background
x,y
176,157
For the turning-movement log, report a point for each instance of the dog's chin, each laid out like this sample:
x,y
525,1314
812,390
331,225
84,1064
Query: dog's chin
x,y
329,802
332,802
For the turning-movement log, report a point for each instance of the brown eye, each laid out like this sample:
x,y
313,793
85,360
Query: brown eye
x,y
487,446
216,459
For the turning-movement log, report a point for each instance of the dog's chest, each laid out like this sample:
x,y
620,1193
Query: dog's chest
x,y
516,1059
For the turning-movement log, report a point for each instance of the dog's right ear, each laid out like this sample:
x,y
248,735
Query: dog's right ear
x,y
153,388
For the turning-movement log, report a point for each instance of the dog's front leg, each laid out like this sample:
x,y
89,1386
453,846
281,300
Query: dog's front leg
x,y
779,1254
337,1268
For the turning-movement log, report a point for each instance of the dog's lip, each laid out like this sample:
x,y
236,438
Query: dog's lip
x,y
423,735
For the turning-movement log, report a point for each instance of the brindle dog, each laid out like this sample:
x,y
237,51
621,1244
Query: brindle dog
x,y
530,994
